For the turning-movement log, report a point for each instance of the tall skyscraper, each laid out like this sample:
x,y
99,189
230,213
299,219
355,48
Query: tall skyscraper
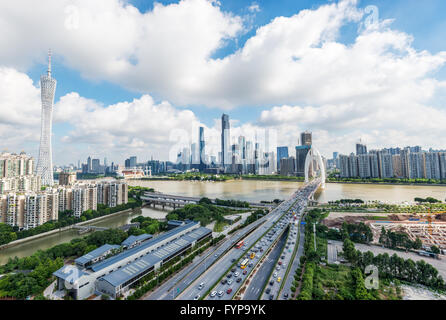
x,y
225,137
45,162
282,152
361,149
202,149
306,138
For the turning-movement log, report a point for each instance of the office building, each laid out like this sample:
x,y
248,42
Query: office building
x,y
306,139
225,141
282,152
202,151
301,155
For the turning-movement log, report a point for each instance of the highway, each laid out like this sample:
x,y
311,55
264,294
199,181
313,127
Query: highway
x,y
213,276
286,290
178,283
256,285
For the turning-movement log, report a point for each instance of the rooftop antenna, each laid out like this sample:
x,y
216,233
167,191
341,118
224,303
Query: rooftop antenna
x,y
49,63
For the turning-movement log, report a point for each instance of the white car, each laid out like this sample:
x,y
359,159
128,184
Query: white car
x,y
220,293
201,285
236,274
213,293
275,274
230,281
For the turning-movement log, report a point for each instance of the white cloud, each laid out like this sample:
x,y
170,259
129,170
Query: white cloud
x,y
254,7
378,87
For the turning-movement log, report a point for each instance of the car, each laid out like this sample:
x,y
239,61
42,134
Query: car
x,y
197,297
213,294
279,279
245,271
229,291
271,297
280,262
239,279
200,286
268,290
233,270
223,281
285,295
271,282
278,268
282,257
236,274
220,293
250,264
232,260
275,274
230,281
229,275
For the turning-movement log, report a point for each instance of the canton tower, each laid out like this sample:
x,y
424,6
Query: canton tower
x,y
45,162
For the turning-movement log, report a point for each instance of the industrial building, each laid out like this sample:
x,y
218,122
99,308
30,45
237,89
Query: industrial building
x,y
115,275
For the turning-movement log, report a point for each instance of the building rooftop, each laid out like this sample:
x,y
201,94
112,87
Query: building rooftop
x,y
69,273
132,239
96,253
127,253
144,263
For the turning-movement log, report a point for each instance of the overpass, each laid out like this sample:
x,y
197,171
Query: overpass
x,y
177,201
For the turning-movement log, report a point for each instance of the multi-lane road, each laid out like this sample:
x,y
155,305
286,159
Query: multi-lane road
x,y
217,273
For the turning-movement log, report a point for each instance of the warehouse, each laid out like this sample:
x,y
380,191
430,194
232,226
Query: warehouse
x,y
119,281
136,261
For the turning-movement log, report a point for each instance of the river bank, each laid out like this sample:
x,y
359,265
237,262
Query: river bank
x,y
296,180
45,234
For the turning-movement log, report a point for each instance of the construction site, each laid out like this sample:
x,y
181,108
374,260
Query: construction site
x,y
429,227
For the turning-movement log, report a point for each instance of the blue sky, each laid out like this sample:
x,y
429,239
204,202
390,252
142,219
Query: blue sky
x,y
424,20
99,84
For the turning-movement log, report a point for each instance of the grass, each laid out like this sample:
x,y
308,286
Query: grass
x,y
219,226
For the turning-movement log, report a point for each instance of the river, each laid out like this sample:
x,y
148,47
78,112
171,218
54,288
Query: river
x,y
247,190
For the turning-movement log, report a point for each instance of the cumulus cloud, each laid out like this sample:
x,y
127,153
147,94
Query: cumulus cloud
x,y
378,87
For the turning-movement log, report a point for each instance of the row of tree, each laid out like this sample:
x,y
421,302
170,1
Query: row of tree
x,y
394,267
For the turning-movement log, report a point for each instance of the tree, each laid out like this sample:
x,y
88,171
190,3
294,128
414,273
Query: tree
x,y
435,249
417,244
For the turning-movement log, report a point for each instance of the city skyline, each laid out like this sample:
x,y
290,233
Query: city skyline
x,y
98,113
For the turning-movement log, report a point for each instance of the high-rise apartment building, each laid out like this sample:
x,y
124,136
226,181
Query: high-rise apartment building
x,y
67,178
361,149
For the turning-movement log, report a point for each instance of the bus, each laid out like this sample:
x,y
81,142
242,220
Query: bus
x,y
239,244
252,255
244,263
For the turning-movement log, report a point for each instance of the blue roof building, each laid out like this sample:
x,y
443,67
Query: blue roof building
x,y
95,255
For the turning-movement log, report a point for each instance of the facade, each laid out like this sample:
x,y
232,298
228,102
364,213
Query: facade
x,y
202,151
67,178
282,152
225,141
288,166
361,149
301,155
45,162
306,139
